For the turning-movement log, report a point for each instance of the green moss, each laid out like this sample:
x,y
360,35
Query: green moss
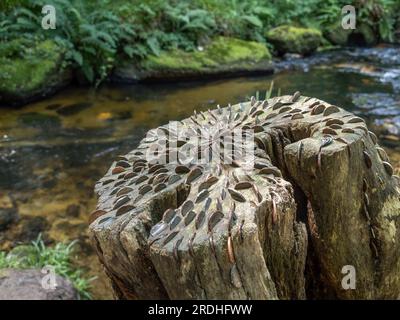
x,y
337,35
22,73
362,35
294,40
222,51
366,35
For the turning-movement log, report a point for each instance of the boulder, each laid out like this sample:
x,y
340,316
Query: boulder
x,y
222,57
27,285
290,39
30,72
337,35
363,35
301,193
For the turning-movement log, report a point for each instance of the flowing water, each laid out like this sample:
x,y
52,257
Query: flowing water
x,y
52,152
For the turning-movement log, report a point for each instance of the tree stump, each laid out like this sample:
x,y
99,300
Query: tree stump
x,y
305,191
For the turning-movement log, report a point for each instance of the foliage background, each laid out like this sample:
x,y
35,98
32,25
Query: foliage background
x,y
95,33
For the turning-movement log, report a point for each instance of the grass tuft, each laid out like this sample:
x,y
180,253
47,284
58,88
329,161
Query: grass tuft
x,y
37,255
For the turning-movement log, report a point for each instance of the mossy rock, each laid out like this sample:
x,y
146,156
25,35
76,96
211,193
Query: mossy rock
x,y
289,39
337,35
28,72
363,35
223,56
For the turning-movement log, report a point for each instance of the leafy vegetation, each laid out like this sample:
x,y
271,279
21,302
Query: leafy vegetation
x,y
91,38
37,255
96,34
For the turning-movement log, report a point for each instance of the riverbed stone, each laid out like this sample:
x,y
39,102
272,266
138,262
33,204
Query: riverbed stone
x,y
29,71
73,109
73,211
27,285
222,57
39,120
7,217
32,227
290,39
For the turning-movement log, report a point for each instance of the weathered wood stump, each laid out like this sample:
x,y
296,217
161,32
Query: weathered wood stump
x,y
311,193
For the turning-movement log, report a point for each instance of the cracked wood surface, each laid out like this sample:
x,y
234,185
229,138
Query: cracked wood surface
x,y
319,194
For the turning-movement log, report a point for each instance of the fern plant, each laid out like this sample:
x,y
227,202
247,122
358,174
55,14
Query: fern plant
x,y
91,38
96,33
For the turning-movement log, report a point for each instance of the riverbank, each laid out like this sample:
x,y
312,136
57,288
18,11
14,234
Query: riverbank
x,y
32,80
106,41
